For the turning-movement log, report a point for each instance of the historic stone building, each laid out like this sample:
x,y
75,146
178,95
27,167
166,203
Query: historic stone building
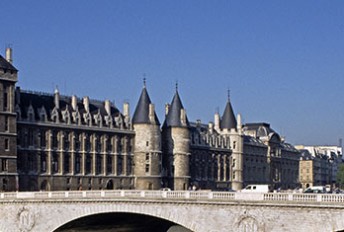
x,y
56,142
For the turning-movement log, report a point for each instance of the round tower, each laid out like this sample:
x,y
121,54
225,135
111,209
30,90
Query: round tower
x,y
147,147
176,141
232,128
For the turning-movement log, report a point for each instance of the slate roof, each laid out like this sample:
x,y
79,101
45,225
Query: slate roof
x,y
262,129
141,114
173,116
37,100
228,120
4,64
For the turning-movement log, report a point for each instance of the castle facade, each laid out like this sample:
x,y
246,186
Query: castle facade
x,y
55,142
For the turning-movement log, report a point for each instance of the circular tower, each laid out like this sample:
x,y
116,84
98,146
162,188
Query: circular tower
x,y
176,146
147,147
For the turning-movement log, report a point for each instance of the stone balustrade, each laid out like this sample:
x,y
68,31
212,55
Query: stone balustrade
x,y
177,195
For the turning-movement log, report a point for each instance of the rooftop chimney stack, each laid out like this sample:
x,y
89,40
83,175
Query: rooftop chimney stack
x,y
74,102
9,54
108,107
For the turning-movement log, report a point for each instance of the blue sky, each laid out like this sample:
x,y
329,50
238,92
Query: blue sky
x,y
281,60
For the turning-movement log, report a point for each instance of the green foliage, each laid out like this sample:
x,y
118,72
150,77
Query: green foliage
x,y
340,176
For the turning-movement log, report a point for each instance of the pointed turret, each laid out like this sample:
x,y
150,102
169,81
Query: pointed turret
x,y
147,153
228,120
176,115
142,112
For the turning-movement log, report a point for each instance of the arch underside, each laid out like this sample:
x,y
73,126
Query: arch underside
x,y
117,219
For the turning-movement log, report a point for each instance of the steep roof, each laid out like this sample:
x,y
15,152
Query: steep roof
x,y
228,120
4,64
141,114
173,116
38,100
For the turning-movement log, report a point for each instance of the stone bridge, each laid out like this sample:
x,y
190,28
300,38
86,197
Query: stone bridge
x,y
198,211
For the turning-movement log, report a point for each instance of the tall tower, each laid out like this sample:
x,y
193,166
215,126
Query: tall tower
x,y
176,145
231,127
147,151
8,124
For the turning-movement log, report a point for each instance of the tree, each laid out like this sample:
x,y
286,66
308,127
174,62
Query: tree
x,y
340,176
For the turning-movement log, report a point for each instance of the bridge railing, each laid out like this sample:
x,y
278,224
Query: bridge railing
x,y
176,195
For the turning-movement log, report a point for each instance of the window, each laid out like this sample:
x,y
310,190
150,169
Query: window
x,y
66,162
99,160
43,163
54,139
147,168
55,163
119,165
4,166
5,106
7,144
88,163
77,163
42,137
6,124
109,164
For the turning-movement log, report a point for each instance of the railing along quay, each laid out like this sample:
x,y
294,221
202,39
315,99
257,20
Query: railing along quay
x,y
175,195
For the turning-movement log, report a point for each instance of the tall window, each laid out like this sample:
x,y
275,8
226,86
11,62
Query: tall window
x,y
5,97
4,166
54,139
88,163
7,144
66,162
99,160
55,163
42,137
66,141
109,164
119,165
32,162
147,163
77,163
6,123
43,163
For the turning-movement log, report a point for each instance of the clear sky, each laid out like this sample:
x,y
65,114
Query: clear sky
x,y
281,60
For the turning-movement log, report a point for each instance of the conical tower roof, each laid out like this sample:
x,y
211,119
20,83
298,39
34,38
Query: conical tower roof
x,y
173,117
141,114
228,120
4,64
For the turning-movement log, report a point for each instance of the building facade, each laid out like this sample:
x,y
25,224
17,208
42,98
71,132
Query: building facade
x,y
56,142
319,165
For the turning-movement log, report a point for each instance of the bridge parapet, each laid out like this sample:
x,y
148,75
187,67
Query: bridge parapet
x,y
178,195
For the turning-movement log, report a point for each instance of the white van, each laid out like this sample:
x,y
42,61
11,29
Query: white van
x,y
316,189
256,188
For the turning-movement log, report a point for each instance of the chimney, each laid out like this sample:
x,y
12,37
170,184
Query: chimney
x,y
239,123
74,102
86,102
126,109
151,113
183,116
107,107
9,54
57,98
217,121
167,108
211,127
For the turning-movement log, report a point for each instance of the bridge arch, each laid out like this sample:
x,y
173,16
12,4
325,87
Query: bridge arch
x,y
163,215
128,221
